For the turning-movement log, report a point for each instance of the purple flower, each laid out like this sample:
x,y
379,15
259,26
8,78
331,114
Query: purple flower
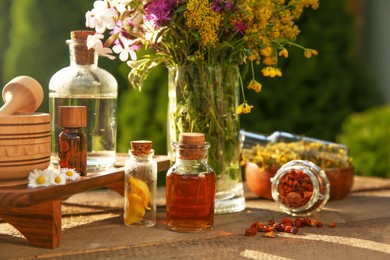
x,y
218,5
158,12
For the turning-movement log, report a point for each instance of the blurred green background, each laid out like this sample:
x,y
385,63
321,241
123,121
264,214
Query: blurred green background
x,y
322,97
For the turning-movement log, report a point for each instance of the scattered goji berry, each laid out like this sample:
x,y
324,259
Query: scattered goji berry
x,y
298,222
294,230
271,222
332,224
319,224
287,229
287,221
257,225
279,227
250,232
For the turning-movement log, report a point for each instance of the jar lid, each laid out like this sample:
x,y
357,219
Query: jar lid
x,y
72,116
141,147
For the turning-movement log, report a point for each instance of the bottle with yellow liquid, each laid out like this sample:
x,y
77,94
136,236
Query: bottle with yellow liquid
x,y
140,185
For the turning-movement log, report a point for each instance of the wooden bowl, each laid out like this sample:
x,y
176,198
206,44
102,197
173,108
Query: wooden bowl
x,y
258,180
25,144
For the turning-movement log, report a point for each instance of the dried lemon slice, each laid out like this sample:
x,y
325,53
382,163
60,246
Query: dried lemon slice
x,y
140,188
135,209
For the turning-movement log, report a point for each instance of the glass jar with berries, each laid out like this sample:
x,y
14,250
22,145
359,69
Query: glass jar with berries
x,y
300,188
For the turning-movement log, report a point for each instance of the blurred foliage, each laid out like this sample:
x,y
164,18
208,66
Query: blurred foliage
x,y
367,134
313,97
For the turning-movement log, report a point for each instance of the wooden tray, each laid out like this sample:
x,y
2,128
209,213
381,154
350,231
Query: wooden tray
x,y
36,213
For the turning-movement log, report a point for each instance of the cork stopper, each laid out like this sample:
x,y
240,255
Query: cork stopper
x,y
72,116
142,147
192,146
192,138
83,56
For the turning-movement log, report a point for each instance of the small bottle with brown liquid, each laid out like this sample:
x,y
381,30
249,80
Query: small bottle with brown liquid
x,y
190,186
72,141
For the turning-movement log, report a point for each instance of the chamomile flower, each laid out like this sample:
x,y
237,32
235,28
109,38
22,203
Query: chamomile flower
x,y
57,178
39,178
70,174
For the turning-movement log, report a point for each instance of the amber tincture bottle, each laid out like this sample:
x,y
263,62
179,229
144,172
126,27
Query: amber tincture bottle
x,y
190,186
72,141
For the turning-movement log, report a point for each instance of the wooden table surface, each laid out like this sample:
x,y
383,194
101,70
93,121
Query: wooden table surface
x,y
92,228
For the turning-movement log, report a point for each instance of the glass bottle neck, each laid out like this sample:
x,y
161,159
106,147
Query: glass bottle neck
x,y
191,162
147,157
80,55
72,130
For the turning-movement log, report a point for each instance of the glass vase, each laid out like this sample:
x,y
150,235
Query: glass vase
x,y
204,99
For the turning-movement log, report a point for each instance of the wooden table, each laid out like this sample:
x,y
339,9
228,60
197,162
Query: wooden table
x,y
92,227
36,213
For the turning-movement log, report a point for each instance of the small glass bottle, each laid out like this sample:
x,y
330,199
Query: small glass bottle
x,y
140,185
72,142
190,186
83,83
300,188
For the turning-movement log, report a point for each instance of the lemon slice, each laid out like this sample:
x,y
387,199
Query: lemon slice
x,y
140,188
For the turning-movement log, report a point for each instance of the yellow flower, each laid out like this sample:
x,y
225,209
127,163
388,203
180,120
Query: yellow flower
x,y
271,72
309,52
255,85
283,53
244,108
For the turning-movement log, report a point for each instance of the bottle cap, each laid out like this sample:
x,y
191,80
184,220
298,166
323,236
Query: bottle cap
x,y
72,116
83,55
142,147
191,138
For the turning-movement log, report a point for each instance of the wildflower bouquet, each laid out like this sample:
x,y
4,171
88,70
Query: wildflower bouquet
x,y
202,42
198,32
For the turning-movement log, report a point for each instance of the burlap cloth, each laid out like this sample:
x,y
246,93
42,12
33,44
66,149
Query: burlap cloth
x,y
92,229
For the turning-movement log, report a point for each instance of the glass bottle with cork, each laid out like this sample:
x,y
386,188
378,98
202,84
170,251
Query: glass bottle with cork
x,y
83,83
190,186
72,141
140,185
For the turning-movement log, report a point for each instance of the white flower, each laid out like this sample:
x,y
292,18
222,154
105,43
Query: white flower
x,y
70,174
94,42
38,178
57,178
126,50
101,17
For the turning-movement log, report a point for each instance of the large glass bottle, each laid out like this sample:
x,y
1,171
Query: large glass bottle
x,y
83,83
190,186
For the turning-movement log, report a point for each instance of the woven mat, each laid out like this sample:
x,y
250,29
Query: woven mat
x,y
93,229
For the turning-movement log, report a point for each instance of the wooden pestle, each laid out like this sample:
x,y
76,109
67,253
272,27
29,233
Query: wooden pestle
x,y
21,94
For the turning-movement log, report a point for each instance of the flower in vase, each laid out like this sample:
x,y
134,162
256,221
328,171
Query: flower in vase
x,y
198,33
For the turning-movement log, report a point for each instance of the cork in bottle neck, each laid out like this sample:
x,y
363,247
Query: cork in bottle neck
x,y
191,146
72,116
141,148
78,43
